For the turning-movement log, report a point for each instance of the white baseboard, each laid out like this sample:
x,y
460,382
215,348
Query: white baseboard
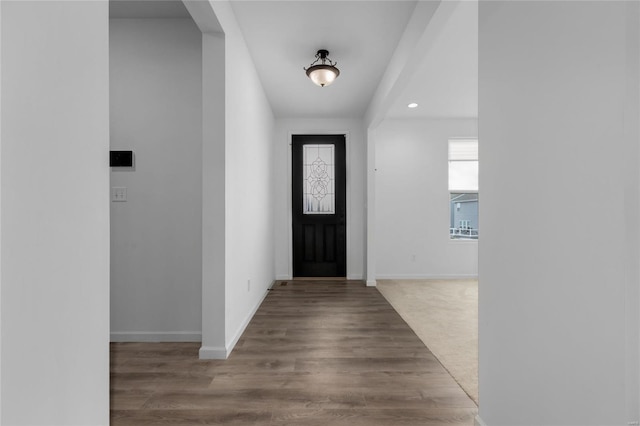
x,y
212,352
478,421
349,277
232,343
156,336
426,277
372,283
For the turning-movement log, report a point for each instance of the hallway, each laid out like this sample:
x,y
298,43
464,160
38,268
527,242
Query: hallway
x,y
315,353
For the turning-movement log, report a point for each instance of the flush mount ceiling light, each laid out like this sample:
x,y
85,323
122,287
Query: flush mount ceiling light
x,y
323,70
412,105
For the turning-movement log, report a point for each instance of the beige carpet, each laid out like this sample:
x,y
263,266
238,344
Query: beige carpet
x,y
444,315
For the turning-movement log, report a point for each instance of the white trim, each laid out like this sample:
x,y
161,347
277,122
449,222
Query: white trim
x,y
348,179
372,283
370,208
289,203
1,230
478,421
232,343
283,277
355,277
212,352
347,155
156,336
426,277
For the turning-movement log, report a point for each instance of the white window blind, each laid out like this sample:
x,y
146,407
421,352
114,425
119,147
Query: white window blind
x,y
463,149
463,165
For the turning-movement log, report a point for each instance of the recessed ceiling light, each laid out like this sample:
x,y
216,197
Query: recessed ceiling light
x,y
412,105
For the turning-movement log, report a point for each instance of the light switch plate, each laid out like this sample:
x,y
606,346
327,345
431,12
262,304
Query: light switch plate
x,y
118,194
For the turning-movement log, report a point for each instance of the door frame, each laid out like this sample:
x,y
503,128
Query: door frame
x,y
289,192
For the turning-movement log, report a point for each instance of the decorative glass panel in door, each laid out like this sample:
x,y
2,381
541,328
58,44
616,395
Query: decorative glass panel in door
x,y
319,179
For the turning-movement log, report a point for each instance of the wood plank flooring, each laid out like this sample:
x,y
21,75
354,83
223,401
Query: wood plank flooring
x,y
316,353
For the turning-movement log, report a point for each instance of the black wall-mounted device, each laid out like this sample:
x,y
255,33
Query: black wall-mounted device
x,y
121,158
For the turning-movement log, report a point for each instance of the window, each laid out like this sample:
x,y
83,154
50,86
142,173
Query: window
x,y
463,189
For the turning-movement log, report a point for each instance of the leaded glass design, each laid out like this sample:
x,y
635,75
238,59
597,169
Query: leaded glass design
x,y
319,195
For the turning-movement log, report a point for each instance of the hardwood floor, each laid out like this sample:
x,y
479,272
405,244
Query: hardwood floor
x,y
316,353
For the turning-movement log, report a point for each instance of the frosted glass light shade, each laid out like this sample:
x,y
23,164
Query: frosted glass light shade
x,y
323,75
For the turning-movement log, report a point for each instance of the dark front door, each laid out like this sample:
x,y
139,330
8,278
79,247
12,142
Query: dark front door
x,y
319,206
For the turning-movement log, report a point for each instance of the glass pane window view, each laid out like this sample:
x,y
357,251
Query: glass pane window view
x,y
464,215
463,189
319,179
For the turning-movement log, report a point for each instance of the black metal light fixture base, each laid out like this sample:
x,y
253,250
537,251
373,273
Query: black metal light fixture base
x,y
322,54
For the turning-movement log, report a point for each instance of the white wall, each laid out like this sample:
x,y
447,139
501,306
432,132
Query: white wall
x,y
248,186
412,201
356,191
55,213
632,207
249,189
156,236
553,331
213,195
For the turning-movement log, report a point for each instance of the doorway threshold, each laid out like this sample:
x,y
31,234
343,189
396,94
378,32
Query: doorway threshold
x,y
320,278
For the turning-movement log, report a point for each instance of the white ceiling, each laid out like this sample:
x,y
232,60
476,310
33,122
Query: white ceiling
x,y
361,35
445,84
283,37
